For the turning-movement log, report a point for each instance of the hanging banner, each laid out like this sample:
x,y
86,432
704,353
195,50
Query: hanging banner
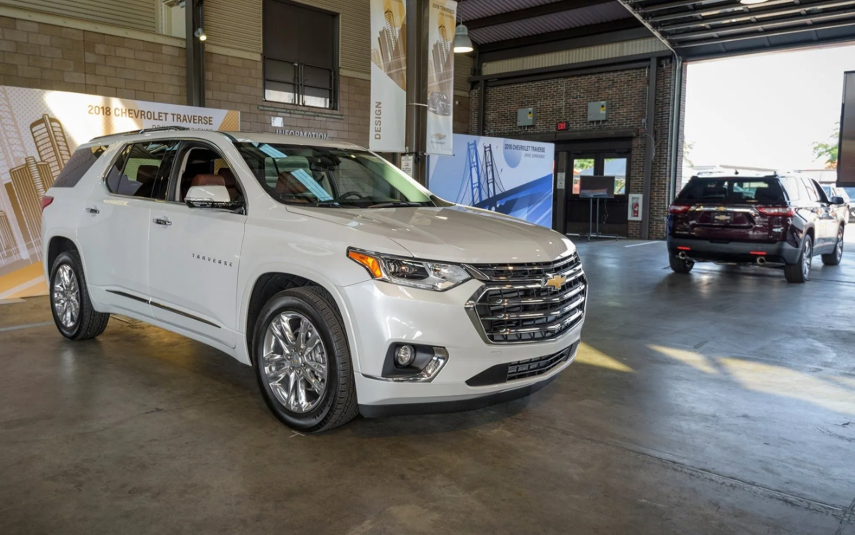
x,y
440,102
39,131
388,75
846,148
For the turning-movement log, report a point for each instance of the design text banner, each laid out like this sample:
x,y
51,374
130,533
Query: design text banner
x,y
440,101
388,75
39,130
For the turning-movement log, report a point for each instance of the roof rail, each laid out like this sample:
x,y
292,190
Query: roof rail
x,y
159,129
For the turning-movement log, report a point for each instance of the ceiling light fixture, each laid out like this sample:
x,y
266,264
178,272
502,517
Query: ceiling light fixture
x,y
752,2
462,42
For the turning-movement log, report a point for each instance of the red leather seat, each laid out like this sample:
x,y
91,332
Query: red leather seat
x,y
207,180
230,181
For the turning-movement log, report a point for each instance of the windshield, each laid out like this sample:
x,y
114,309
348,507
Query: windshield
x,y
732,190
318,176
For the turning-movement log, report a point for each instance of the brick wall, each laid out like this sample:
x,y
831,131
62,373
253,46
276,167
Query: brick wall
x,y
237,84
566,99
45,56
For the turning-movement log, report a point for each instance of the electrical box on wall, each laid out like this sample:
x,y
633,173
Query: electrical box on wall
x,y
598,111
526,117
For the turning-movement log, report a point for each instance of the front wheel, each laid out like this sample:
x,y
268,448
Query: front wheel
x,y
303,362
678,265
72,310
834,258
799,272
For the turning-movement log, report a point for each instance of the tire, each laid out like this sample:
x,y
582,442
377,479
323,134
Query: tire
x,y
834,258
799,272
68,290
679,265
294,397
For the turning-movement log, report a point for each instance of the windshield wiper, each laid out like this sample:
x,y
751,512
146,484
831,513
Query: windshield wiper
x,y
395,204
329,204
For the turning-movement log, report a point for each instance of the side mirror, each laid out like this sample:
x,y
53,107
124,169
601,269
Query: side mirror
x,y
211,197
837,200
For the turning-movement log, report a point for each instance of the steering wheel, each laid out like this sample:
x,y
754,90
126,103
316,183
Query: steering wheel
x,y
349,194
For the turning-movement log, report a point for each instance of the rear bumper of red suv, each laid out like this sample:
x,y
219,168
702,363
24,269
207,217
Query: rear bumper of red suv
x,y
741,252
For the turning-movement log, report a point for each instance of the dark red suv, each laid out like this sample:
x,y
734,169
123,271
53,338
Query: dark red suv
x,y
772,221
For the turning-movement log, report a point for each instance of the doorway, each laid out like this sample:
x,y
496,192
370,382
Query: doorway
x,y
613,212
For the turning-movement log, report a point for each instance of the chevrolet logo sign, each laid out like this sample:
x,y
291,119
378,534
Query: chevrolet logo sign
x,y
555,282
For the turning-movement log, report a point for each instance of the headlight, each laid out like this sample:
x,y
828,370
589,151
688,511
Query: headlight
x,y
437,276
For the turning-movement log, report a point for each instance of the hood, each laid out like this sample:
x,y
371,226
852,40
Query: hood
x,y
453,234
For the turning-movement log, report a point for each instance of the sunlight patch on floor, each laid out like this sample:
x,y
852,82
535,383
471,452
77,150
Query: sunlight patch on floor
x,y
692,358
594,357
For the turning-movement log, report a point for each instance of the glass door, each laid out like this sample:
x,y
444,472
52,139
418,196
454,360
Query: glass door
x,y
613,212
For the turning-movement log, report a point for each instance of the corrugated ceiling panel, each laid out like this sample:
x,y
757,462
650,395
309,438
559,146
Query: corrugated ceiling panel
x,y
549,23
234,24
576,55
476,9
137,14
355,31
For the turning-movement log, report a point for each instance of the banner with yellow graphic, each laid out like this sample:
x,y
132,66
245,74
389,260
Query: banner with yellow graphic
x,y
39,131
440,101
388,75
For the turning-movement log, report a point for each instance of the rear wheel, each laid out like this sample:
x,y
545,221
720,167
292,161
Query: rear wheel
x,y
833,258
679,265
72,310
303,362
800,271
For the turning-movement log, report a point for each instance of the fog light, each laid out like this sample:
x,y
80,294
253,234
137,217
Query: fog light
x,y
405,355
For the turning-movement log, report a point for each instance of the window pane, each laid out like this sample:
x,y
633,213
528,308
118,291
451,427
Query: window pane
x,y
281,31
319,98
286,93
315,77
141,176
732,190
81,161
309,175
114,177
616,167
279,71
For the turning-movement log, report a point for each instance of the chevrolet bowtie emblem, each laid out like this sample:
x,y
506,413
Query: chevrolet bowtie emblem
x,y
555,282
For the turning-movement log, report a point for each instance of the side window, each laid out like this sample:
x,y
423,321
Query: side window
x,y
791,187
145,170
820,193
198,161
81,161
809,190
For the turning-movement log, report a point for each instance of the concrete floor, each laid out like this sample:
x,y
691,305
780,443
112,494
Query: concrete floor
x,y
719,402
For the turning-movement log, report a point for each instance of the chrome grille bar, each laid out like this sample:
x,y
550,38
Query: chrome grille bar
x,y
516,306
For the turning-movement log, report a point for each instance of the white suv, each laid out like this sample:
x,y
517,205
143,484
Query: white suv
x,y
347,285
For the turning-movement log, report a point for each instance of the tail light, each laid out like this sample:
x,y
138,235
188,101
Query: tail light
x,y
678,209
776,211
46,200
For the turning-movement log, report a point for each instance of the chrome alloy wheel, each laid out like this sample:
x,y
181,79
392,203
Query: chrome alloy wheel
x,y
295,362
839,247
807,258
66,296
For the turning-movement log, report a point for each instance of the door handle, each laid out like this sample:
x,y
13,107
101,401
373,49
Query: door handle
x,y
164,222
92,211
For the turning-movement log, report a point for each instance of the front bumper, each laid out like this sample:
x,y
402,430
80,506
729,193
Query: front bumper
x,y
383,314
707,251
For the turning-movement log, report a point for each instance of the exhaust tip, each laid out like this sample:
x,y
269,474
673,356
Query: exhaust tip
x,y
761,260
682,255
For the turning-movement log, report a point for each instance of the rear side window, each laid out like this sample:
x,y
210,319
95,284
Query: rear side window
x,y
80,162
142,170
733,190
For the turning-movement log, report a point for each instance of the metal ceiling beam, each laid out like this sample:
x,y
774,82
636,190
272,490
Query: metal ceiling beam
x,y
647,25
806,23
668,5
530,12
732,8
755,14
773,33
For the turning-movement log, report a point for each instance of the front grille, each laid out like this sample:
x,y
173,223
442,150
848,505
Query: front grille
x,y
515,305
538,366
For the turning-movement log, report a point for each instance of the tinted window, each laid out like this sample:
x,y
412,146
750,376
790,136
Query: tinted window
x,y
145,170
792,187
733,190
809,190
80,162
316,175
